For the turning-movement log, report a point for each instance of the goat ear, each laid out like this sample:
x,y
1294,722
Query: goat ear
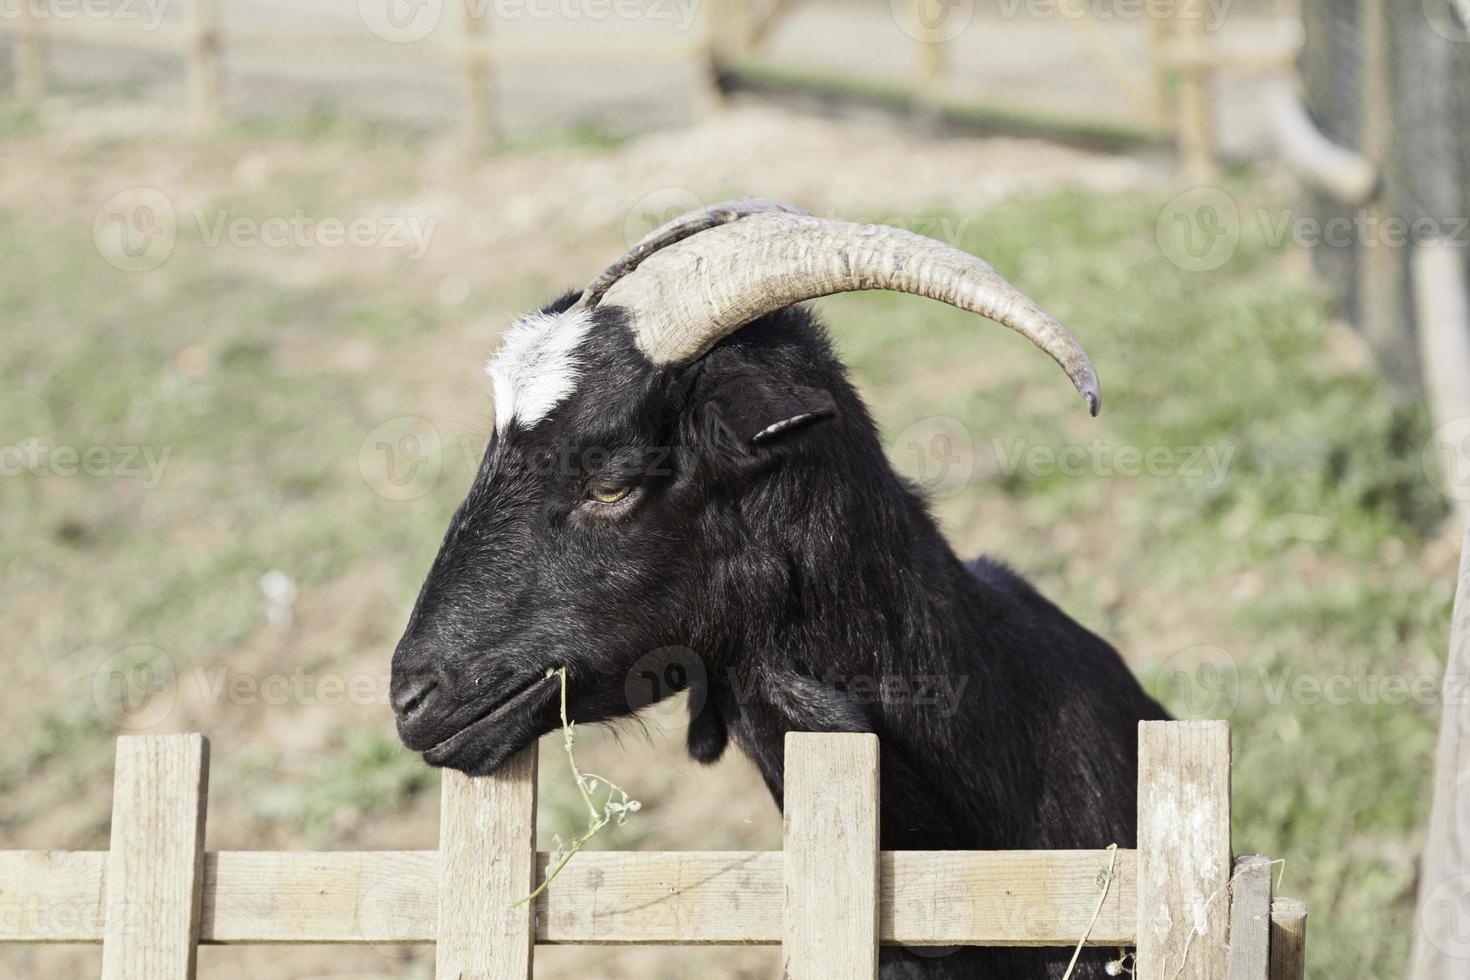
x,y
748,412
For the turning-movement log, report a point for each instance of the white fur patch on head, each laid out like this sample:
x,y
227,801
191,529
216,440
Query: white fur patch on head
x,y
536,366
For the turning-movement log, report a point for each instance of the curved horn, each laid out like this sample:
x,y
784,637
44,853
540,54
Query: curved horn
x,y
680,228
709,282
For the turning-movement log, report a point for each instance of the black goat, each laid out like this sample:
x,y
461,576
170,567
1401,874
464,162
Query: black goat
x,y
733,499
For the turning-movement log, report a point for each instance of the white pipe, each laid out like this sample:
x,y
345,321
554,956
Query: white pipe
x,y
1348,176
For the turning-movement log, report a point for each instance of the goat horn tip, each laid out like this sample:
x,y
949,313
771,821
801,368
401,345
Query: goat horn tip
x,y
1094,398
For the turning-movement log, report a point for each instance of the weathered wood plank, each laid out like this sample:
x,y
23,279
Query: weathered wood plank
x,y
320,897
52,896
831,857
1183,849
1006,898
487,862
155,861
1288,939
930,898
1250,918
674,897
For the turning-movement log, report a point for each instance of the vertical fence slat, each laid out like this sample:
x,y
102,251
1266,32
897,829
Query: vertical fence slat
x,y
1183,849
1288,939
1195,111
155,868
487,863
481,130
30,73
204,64
831,854
1250,918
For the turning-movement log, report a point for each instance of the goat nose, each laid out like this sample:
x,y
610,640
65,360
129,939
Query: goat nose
x,y
409,691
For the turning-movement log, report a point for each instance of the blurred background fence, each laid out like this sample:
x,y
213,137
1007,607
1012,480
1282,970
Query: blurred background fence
x,y
1389,81
1129,72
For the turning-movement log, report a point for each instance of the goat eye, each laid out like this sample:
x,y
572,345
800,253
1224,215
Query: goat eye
x,y
609,496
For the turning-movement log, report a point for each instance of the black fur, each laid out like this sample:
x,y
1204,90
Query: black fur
x,y
811,583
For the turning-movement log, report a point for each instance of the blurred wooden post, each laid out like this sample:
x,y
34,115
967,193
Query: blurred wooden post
x,y
929,14
928,18
1288,939
721,27
1161,42
1183,849
1382,288
155,863
30,72
830,811
1441,291
203,64
487,863
481,131
1196,128
1447,849
1250,918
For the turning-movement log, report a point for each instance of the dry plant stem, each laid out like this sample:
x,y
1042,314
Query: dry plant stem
x,y
586,782
1106,884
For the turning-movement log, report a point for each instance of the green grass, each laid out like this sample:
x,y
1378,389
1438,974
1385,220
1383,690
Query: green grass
x,y
1304,560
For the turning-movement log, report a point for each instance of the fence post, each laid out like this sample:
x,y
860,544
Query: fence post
x,y
30,73
204,65
1250,918
487,863
1288,939
1160,51
934,73
831,854
1195,113
480,128
1183,849
155,864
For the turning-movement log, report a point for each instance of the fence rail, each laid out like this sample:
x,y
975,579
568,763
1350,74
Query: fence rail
x,y
830,898
198,38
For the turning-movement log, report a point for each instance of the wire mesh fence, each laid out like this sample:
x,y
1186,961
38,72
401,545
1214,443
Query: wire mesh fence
x,y
1392,81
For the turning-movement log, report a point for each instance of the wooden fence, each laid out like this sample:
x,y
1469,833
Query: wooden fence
x,y
830,898
197,37
1171,93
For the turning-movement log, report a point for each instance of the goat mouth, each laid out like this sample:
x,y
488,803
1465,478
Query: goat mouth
x,y
442,751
